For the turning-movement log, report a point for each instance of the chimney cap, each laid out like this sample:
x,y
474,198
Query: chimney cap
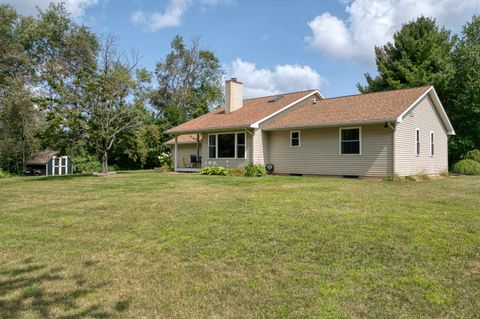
x,y
234,80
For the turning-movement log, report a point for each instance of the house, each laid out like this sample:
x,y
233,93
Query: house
x,y
49,163
402,132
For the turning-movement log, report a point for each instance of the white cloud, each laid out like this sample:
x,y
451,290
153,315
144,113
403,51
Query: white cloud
x,y
280,79
28,7
172,16
373,22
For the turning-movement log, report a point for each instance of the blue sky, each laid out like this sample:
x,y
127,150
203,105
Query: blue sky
x,y
272,46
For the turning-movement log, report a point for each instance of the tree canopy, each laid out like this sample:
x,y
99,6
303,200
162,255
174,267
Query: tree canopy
x,y
420,54
189,83
63,88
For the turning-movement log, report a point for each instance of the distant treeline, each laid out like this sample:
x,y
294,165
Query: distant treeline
x,y
64,88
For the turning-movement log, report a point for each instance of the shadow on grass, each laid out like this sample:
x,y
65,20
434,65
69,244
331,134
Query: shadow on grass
x,y
76,176
58,178
26,290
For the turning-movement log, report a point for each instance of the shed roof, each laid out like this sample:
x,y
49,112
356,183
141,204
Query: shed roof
x,y
42,158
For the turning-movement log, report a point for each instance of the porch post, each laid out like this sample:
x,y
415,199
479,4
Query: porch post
x,y
198,147
175,157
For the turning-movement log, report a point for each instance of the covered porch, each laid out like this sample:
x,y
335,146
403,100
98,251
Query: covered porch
x,y
186,151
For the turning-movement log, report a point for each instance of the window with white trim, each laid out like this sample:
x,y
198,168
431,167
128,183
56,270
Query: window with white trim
x,y
212,146
417,141
226,145
350,141
295,138
240,145
432,143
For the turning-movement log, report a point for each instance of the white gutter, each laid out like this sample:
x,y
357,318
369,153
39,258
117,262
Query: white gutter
x,y
368,122
257,123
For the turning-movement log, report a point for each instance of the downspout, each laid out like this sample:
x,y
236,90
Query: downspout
x,y
247,150
175,155
198,147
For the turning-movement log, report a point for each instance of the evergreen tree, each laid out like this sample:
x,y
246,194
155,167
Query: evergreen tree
x,y
420,54
465,113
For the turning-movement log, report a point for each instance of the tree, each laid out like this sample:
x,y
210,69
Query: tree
x,y
465,114
108,99
17,114
64,53
420,54
189,83
17,125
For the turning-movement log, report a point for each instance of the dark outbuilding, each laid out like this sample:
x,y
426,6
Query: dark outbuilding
x,y
48,163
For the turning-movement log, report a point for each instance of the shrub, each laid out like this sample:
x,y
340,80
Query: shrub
x,y
473,155
422,176
4,174
395,178
165,160
252,170
466,167
86,164
236,172
113,168
444,173
215,170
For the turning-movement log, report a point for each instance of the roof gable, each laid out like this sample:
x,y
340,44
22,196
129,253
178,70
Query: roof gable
x,y
433,96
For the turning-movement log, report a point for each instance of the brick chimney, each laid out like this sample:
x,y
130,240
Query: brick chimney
x,y
233,95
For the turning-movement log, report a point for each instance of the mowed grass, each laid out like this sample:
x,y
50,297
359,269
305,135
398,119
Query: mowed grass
x,y
147,245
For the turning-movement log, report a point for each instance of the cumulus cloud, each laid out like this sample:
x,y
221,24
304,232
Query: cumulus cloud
x,y
279,79
172,15
75,7
373,22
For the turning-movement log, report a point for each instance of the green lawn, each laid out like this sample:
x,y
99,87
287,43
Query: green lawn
x,y
147,245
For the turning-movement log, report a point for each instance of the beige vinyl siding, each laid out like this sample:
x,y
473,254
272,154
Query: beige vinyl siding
x,y
227,162
260,147
424,117
184,151
319,153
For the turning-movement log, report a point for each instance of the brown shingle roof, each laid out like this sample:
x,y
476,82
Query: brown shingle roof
x,y
41,158
381,106
184,139
252,111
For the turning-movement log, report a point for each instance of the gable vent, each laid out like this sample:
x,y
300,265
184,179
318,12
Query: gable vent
x,y
275,99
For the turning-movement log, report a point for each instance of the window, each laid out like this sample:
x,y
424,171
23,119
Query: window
x,y
226,145
350,141
212,146
240,145
417,141
432,144
295,138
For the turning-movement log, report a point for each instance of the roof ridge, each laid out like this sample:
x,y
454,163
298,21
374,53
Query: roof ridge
x,y
287,93
378,92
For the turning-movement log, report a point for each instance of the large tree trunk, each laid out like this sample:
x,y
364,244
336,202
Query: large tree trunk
x,y
105,162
